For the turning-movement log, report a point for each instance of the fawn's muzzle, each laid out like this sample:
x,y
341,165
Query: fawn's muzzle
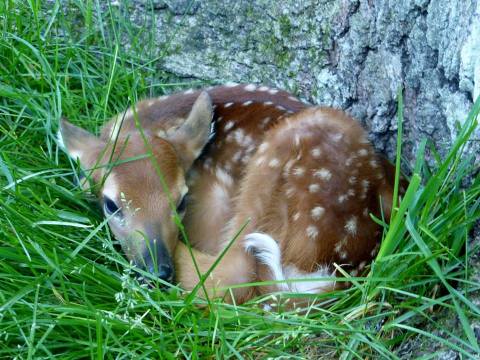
x,y
157,260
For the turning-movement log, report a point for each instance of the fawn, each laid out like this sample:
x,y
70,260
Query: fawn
x,y
302,181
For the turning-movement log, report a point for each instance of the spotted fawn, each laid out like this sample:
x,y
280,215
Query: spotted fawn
x,y
302,181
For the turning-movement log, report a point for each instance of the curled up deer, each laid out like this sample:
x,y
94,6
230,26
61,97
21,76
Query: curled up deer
x,y
301,182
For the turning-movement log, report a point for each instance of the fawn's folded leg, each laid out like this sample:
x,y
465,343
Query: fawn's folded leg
x,y
236,267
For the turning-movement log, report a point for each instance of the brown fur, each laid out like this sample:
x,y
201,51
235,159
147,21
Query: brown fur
x,y
237,179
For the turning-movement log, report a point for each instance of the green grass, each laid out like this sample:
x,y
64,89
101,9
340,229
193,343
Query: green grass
x,y
66,290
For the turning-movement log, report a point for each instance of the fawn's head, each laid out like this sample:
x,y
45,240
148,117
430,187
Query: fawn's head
x,y
140,180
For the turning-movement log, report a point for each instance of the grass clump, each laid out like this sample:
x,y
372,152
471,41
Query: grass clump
x,y
66,291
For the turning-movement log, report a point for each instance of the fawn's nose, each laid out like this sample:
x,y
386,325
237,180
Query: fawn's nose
x,y
156,259
163,271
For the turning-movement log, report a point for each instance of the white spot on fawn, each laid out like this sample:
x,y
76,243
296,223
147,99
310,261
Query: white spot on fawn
x,y
339,246
208,163
189,91
296,216
351,225
230,84
365,212
349,161
237,156
336,137
273,91
239,136
352,180
312,232
313,188
362,152
250,87
247,141
316,152
263,88
323,174
365,184
267,103
226,105
262,148
317,212
246,159
280,107
259,161
293,98
246,103
299,171
274,163
229,125
265,121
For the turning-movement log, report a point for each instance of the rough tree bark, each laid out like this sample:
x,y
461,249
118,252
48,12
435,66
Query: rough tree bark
x,y
345,53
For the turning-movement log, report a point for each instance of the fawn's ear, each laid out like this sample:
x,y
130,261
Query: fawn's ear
x,y
192,136
79,143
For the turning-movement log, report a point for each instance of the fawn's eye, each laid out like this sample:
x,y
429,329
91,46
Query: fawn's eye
x,y
110,207
182,205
